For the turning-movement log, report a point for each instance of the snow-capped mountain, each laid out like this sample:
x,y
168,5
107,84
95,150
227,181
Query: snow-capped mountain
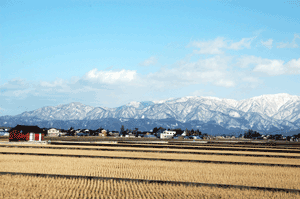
x,y
262,113
74,110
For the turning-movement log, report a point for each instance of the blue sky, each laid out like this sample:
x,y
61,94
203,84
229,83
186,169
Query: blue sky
x,y
108,53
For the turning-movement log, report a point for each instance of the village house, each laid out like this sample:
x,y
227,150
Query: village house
x,y
167,134
53,132
26,133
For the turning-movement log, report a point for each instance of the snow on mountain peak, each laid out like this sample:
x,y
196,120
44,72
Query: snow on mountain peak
x,y
162,101
135,104
184,99
209,97
279,99
276,96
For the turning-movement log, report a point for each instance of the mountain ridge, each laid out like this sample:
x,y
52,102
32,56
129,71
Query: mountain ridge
x,y
265,112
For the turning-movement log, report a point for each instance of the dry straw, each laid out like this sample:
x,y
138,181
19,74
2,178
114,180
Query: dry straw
x,y
262,176
45,187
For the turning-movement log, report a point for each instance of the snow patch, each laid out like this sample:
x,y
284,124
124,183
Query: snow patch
x,y
134,104
234,114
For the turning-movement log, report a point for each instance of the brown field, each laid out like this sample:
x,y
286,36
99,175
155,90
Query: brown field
x,y
4,138
18,186
45,187
154,149
199,147
157,155
262,176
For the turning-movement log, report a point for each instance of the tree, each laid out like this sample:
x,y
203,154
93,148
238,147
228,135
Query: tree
x,y
155,130
192,132
135,131
276,137
197,132
297,136
122,131
71,132
188,133
178,131
252,134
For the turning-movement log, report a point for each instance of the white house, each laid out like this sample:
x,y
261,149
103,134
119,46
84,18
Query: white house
x,y
167,134
53,132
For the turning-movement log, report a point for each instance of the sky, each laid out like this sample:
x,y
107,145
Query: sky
x,y
109,53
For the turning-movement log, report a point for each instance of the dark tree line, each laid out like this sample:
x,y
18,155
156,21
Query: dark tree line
x,y
252,134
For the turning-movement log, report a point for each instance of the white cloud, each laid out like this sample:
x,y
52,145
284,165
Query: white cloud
x,y
292,44
110,77
56,83
270,67
225,83
210,47
21,93
268,44
267,66
217,45
150,61
246,61
244,43
293,66
212,70
15,83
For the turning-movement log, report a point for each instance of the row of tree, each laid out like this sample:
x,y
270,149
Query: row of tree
x,y
256,135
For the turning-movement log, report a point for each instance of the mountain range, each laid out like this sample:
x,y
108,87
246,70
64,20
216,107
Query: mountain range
x,y
277,113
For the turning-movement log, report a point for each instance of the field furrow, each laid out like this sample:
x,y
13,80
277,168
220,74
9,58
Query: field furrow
x,y
262,176
48,187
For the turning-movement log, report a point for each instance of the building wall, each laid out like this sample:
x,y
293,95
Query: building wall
x,y
167,134
53,132
17,136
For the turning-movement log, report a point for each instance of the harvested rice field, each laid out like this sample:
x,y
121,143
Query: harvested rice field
x,y
138,172
248,175
157,155
152,149
48,187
